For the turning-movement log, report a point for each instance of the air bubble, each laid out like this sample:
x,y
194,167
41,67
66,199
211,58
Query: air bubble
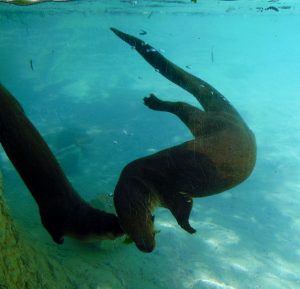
x,y
151,50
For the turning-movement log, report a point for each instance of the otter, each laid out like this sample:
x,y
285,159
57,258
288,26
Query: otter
x,y
62,210
221,155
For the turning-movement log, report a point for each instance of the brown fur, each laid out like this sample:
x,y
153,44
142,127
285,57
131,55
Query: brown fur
x,y
62,210
221,155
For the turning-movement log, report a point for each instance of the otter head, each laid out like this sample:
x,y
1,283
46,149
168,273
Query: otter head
x,y
133,203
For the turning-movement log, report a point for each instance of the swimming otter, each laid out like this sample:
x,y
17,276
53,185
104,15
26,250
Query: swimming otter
x,y
221,155
62,210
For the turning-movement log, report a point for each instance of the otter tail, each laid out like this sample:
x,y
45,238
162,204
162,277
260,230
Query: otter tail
x,y
209,97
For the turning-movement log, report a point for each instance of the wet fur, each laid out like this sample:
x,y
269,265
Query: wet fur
x,y
221,155
62,210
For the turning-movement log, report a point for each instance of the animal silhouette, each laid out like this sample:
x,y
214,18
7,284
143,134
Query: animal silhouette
x,y
221,155
62,210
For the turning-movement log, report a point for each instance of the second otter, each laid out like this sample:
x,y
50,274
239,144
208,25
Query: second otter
x,y
62,210
221,155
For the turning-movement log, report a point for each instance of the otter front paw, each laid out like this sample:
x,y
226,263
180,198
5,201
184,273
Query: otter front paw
x,y
187,227
153,102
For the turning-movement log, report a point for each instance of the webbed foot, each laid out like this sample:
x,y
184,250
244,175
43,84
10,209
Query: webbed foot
x,y
153,102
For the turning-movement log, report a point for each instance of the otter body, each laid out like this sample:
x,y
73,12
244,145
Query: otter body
x,y
221,155
62,210
197,167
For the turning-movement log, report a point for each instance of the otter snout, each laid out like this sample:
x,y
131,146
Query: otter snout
x,y
146,246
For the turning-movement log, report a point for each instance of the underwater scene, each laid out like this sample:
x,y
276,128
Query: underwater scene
x,y
177,122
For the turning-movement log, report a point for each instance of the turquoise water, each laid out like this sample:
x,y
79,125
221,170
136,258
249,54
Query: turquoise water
x,y
83,88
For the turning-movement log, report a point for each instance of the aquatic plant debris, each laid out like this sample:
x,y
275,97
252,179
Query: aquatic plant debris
x,y
31,2
147,8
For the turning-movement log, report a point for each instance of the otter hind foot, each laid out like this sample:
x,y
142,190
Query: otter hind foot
x,y
153,102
